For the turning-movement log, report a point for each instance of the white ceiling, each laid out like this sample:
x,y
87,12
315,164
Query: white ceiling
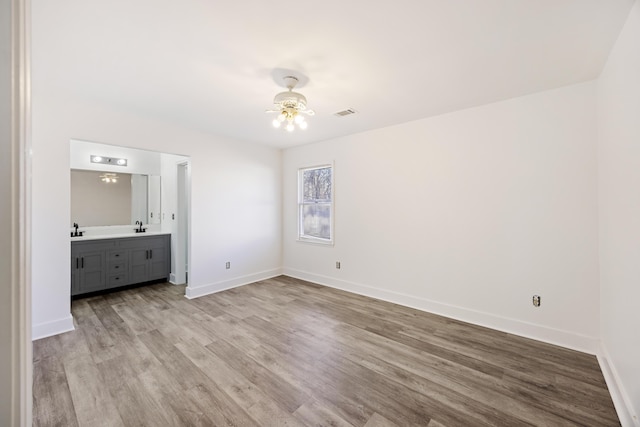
x,y
215,65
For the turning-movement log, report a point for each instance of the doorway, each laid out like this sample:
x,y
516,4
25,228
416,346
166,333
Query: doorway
x,y
182,223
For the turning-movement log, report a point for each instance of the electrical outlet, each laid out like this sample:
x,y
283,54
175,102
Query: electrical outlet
x,y
338,265
228,265
536,300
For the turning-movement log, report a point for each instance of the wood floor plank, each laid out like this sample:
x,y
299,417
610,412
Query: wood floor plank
x,y
132,315
246,396
388,358
72,344
46,347
97,337
221,408
303,373
136,406
207,305
52,403
180,407
285,394
268,410
313,413
92,401
284,351
378,420
500,353
175,363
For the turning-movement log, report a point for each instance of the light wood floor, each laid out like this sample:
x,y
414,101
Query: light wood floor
x,y
287,352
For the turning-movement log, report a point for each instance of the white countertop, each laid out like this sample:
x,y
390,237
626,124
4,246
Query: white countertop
x,y
117,235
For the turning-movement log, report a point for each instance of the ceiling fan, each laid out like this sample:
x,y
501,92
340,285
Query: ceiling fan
x,y
291,107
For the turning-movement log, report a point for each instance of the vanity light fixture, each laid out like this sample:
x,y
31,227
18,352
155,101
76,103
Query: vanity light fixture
x,y
109,178
115,161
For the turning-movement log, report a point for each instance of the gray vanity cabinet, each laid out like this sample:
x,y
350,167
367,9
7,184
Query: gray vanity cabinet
x,y
148,258
88,266
110,263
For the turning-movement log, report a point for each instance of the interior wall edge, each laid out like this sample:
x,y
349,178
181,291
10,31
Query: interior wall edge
x,y
212,288
545,334
619,395
54,327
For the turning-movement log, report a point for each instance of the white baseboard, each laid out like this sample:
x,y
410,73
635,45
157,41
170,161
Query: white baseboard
x,y
198,291
55,327
554,336
173,279
620,398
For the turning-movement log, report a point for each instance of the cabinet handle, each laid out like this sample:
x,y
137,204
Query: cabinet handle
x,y
77,263
117,255
82,262
150,253
146,254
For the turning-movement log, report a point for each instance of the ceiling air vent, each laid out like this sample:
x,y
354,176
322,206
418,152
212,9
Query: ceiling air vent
x,y
346,112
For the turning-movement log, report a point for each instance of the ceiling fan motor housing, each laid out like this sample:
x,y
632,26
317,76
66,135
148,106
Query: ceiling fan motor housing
x,y
290,99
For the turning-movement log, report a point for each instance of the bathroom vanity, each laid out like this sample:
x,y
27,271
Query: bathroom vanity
x,y
111,261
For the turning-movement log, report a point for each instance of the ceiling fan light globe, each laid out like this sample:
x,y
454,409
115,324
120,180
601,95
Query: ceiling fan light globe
x,y
276,123
303,125
290,127
299,119
282,117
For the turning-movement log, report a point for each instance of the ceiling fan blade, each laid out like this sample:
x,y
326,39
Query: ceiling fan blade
x,y
271,111
308,112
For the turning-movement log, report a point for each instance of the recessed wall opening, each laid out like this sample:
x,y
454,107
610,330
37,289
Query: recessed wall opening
x,y
129,224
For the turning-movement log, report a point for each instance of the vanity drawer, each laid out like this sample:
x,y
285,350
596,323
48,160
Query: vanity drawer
x,y
117,267
117,280
120,255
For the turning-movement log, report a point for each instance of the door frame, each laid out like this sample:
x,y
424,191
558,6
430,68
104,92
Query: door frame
x,y
183,223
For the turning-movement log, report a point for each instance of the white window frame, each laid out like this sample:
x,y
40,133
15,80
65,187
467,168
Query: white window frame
x,y
301,204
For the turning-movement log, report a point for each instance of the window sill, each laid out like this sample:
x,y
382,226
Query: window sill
x,y
317,242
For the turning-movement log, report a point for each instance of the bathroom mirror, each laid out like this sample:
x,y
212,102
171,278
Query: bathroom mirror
x,y
106,198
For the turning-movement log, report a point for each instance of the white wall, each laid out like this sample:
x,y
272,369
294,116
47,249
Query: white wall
x,y
467,214
619,211
236,191
142,162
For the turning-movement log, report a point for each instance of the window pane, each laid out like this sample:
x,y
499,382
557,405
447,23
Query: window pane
x,y
316,185
316,221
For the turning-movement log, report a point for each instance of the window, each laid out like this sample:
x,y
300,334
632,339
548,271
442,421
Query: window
x,y
315,204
